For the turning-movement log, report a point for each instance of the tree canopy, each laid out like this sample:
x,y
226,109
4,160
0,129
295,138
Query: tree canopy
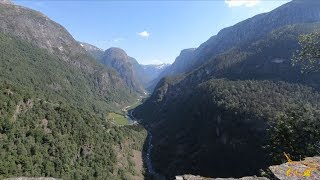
x,y
308,57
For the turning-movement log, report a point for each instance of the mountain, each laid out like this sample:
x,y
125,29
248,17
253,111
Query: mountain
x,y
246,31
54,98
152,72
125,65
240,104
178,67
94,51
80,73
135,74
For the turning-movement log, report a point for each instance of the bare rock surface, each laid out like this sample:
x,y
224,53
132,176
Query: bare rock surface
x,y
297,170
192,177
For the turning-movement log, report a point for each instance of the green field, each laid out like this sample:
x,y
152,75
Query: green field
x,y
134,105
117,118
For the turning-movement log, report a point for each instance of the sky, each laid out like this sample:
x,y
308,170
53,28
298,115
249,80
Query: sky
x,y
153,32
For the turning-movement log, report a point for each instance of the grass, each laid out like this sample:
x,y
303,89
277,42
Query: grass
x,y
134,105
137,103
117,118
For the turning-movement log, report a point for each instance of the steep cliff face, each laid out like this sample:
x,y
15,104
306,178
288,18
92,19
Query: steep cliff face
x,y
124,65
249,31
178,67
38,29
94,51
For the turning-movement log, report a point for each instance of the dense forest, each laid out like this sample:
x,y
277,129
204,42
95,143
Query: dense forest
x,y
26,65
243,108
244,125
48,138
229,108
53,123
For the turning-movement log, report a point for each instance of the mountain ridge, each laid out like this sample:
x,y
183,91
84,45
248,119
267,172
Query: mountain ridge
x,y
136,75
250,30
227,110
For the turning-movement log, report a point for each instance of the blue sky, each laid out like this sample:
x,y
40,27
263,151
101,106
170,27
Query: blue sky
x,y
150,31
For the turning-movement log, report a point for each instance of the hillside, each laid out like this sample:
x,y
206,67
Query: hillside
x,y
124,65
247,31
54,63
94,51
135,74
53,103
45,138
241,109
178,67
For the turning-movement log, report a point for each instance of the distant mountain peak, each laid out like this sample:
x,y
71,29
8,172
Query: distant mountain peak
x,y
116,50
116,53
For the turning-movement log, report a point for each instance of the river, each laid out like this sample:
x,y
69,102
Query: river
x,y
147,156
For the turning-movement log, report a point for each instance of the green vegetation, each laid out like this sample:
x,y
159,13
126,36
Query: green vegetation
x,y
308,58
44,138
50,117
136,104
242,108
291,112
117,118
35,69
245,125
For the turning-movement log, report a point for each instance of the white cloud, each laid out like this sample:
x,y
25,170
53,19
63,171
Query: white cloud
x,y
246,3
144,34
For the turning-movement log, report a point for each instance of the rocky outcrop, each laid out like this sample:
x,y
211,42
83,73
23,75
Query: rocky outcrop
x,y
94,51
41,31
192,177
292,170
296,170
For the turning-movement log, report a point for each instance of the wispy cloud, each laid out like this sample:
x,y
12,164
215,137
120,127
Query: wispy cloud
x,y
246,3
144,34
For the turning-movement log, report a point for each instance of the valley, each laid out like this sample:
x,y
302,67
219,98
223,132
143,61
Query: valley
x,y
245,104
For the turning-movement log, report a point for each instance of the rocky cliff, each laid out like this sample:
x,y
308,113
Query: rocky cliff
x,y
249,31
125,65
